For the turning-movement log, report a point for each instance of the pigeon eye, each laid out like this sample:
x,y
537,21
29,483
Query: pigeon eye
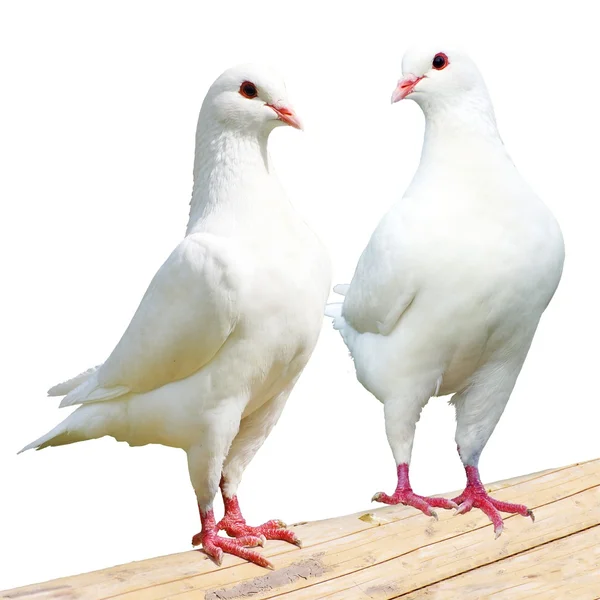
x,y
440,61
248,90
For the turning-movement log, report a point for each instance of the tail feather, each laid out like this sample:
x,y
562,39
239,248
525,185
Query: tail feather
x,y
88,422
341,288
60,389
334,309
59,436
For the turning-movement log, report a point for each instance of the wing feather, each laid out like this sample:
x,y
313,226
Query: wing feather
x,y
184,318
383,286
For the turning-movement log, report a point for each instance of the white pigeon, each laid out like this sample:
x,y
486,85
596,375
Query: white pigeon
x,y
448,293
227,324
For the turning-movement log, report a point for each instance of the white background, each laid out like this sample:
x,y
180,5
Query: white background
x,y
97,121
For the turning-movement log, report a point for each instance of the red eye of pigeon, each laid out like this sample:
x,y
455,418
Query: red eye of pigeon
x,y
248,90
440,61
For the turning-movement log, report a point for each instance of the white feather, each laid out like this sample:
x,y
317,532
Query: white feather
x,y
230,319
341,288
448,293
60,389
191,306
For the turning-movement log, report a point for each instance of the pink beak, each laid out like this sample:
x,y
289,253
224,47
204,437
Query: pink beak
x,y
287,116
405,87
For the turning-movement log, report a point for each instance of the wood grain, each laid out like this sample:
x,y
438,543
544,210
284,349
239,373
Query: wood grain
x,y
391,552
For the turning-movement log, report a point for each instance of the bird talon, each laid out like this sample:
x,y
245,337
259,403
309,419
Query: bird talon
x,y
234,524
476,496
217,557
461,509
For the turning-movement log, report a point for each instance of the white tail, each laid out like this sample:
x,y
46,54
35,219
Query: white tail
x,y
341,288
334,309
60,389
86,423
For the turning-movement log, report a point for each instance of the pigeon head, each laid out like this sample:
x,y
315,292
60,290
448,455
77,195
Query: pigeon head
x,y
250,99
436,76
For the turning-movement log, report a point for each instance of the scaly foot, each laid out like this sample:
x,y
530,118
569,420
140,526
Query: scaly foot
x,y
405,495
234,525
215,546
475,496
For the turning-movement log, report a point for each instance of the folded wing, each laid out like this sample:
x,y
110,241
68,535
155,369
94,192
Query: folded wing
x,y
383,286
183,320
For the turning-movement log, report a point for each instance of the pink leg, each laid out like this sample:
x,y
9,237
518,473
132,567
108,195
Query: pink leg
x,y
234,525
475,496
405,495
214,546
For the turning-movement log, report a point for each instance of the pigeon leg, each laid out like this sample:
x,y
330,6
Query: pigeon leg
x,y
205,462
234,525
476,496
215,546
405,495
401,415
478,410
253,431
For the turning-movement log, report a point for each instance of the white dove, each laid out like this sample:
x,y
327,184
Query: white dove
x,y
227,324
448,293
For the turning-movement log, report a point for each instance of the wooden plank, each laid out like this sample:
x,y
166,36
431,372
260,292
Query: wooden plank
x,y
329,562
569,567
328,546
146,573
454,555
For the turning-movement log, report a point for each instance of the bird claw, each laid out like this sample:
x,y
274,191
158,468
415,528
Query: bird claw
x,y
475,496
214,547
271,530
217,556
278,523
462,508
407,497
234,524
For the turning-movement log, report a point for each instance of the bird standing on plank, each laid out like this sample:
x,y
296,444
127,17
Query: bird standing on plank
x,y
227,324
448,293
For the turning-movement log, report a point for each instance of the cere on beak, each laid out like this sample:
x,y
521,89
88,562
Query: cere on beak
x,y
405,87
287,116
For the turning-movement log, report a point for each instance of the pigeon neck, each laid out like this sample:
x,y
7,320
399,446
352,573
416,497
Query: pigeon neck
x,y
455,133
472,116
228,165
